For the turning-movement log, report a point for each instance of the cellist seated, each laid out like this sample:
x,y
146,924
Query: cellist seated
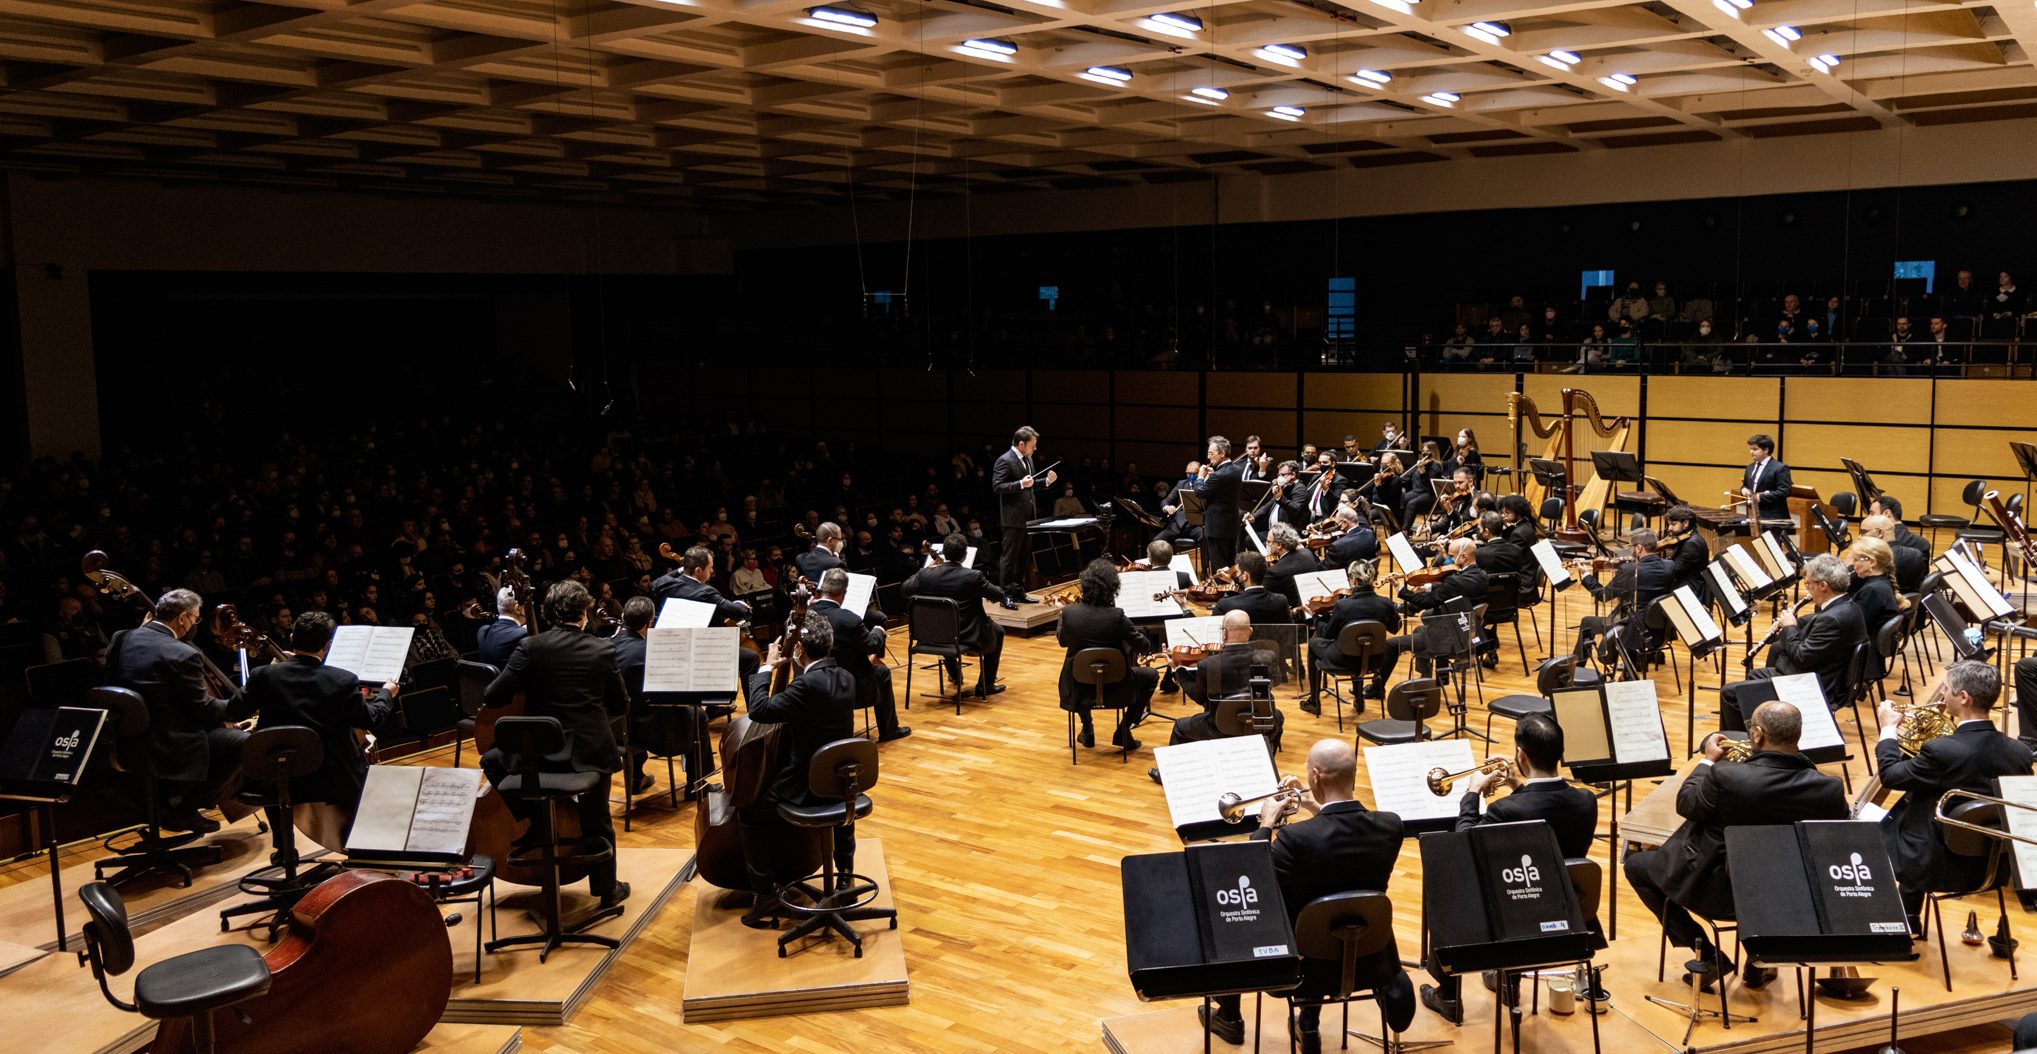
x,y
192,745
302,690
817,706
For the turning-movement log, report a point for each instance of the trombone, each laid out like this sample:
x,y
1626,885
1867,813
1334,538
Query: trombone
x,y
1440,781
2000,834
1233,808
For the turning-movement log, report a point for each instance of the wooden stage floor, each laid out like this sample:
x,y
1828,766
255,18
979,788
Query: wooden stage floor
x,y
1003,861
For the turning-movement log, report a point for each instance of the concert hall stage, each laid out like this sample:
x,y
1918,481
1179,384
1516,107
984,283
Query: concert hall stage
x,y
735,972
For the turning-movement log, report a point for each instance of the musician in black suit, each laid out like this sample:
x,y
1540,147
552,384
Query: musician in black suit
x,y
859,649
1363,605
1343,847
825,553
1890,506
630,641
1221,676
689,581
1254,457
569,674
190,746
1873,591
1972,758
1265,607
1320,499
968,589
1765,485
1822,644
1218,483
1496,554
817,707
303,690
1691,553
1096,621
1177,528
1286,500
1017,505
1911,565
1520,521
1636,585
1160,557
1539,793
1461,590
1777,785
1356,542
1287,557
2026,701
495,640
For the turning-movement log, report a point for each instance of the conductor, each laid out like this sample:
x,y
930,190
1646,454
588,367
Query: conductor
x,y
1017,505
1219,483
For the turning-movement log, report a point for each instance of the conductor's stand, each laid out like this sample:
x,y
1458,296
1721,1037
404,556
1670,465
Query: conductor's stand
x,y
152,852
270,759
529,741
838,775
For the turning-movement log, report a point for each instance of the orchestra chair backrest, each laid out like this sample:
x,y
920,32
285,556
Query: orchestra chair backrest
x,y
1502,597
1552,509
109,942
935,621
1934,582
193,984
1589,518
1844,503
471,681
1587,877
128,720
281,752
1961,842
1359,642
1973,493
1554,675
843,769
1344,928
1656,619
1098,666
529,740
1417,699
1888,637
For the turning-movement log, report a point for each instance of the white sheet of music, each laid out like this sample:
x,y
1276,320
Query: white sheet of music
x,y
1252,533
1801,691
1552,565
1636,719
694,659
1697,614
1194,632
2023,791
418,808
1403,554
861,587
1066,523
1746,567
1136,590
1723,587
1311,584
1400,777
1195,775
1979,593
1185,564
968,558
684,614
373,654
1774,555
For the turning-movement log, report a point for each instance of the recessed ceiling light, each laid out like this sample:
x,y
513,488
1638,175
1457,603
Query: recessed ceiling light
x,y
1568,58
1213,94
1824,63
1552,63
1726,7
994,47
1784,35
1290,52
1442,98
1292,113
1113,74
844,16
1617,82
1371,78
1405,7
1490,32
1622,78
1187,23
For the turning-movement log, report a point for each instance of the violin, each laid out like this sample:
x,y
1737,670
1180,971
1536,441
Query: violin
x,y
1424,577
1181,656
1323,604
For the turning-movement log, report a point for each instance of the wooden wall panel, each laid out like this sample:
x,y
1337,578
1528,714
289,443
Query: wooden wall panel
x,y
1353,391
1884,449
1463,393
1850,400
1060,422
1275,428
1327,428
1974,453
1697,484
914,384
1157,423
1986,403
1696,442
1006,387
1617,396
1250,389
1070,386
1157,387
1754,399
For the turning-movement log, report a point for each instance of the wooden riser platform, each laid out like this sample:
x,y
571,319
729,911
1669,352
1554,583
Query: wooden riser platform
x,y
1028,620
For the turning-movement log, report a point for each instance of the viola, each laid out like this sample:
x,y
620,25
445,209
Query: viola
x,y
1323,604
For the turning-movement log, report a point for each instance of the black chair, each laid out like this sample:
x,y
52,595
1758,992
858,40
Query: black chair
x,y
528,741
152,851
191,985
1891,643
1099,668
1935,522
270,759
1503,608
1358,644
1409,707
1974,532
933,626
1551,676
1344,928
1972,844
470,681
1844,502
662,730
839,774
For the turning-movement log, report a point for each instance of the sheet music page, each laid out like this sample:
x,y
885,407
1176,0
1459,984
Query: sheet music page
x,y
1722,584
1801,691
1699,615
1773,557
1744,564
716,650
1253,533
1195,631
1635,717
968,558
1195,775
445,810
388,647
1400,775
2023,791
349,650
388,799
1186,565
1136,590
683,614
861,588
1552,565
1581,714
1979,594
1066,523
694,659
1311,584
1403,554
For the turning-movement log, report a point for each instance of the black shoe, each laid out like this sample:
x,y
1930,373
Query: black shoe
x,y
1490,662
985,693
1024,599
1307,1039
641,782
1757,977
1229,1029
1167,684
615,896
1009,604
1155,773
1086,737
1374,691
1490,979
1313,704
180,822
764,914
895,734
1128,743
1450,1010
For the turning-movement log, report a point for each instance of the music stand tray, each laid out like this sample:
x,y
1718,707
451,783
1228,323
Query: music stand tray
x,y
1191,507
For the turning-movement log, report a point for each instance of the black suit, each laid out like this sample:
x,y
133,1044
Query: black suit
x,y
817,707
1358,543
1822,644
1220,519
1467,588
1571,813
1177,527
1219,677
1266,607
2026,701
1523,534
1319,500
1689,873
1908,539
191,750
1689,559
1972,758
1634,588
1498,557
1280,576
968,589
1089,626
815,562
678,585
1016,507
1344,848
859,645
630,649
1875,596
569,675
302,690
1911,567
1322,649
495,640
1770,483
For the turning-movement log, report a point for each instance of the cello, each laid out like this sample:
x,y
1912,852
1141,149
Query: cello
x,y
364,968
752,753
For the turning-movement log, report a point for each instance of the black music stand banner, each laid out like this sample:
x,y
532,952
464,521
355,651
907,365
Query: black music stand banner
x,y
1817,891
1510,902
1206,921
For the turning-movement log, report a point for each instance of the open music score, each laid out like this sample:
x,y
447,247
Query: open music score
x,y
1400,777
1195,775
1801,690
1694,624
1612,732
1403,553
1726,589
1194,631
1544,552
1136,590
1969,583
2022,790
1744,565
684,614
861,589
412,814
968,559
1185,564
1312,584
373,654
695,659
1774,556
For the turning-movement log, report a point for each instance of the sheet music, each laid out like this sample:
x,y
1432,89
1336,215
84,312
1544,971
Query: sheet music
x,y
968,558
1801,691
445,810
1403,554
684,614
1311,584
1253,533
1400,775
1694,622
1581,714
861,588
1067,523
1635,719
1722,585
1773,555
1552,566
1136,590
1185,564
2022,790
1195,775
1195,631
694,659
1979,593
373,654
1744,565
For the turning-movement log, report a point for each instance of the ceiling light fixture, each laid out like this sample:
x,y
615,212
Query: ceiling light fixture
x,y
1490,32
1783,35
1185,23
1405,7
1824,63
990,46
1109,74
1370,78
1445,99
1617,81
1289,53
1213,94
1291,113
842,16
1568,58
1733,7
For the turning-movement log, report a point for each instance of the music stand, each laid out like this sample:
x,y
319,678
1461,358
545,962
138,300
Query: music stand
x,y
2026,459
1586,719
1458,635
42,762
1863,484
1191,507
1138,512
1356,473
1185,937
1615,466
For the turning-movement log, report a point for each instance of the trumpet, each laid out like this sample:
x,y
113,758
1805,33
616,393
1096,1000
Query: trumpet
x,y
1233,808
1440,781
1774,631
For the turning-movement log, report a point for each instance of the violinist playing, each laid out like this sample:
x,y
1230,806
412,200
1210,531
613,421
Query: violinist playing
x,y
1519,518
1684,548
192,745
1497,554
1638,581
1320,500
1221,676
1287,558
689,581
1095,621
1362,604
303,690
1286,501
1355,539
1462,589
817,707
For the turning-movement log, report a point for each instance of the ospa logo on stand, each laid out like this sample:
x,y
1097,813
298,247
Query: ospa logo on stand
x,y
1523,882
1240,903
1855,879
